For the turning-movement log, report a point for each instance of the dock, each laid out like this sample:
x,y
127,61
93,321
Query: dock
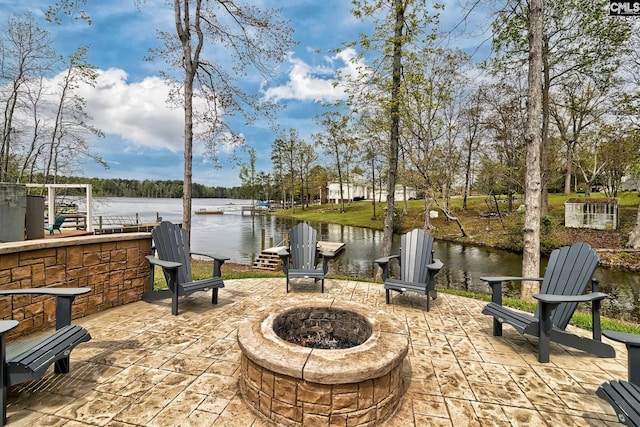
x,y
269,259
205,211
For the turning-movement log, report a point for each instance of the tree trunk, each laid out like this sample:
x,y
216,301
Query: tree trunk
x,y
634,236
394,142
533,138
427,213
568,170
191,57
544,196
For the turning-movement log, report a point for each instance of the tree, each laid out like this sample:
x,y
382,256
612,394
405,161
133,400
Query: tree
x,y
71,123
285,160
337,143
45,128
248,176
505,123
26,54
398,25
578,39
306,157
533,138
252,37
620,151
369,125
472,134
430,123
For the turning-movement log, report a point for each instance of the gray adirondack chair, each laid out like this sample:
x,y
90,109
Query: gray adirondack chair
x,y
568,273
174,256
624,396
28,360
417,266
300,259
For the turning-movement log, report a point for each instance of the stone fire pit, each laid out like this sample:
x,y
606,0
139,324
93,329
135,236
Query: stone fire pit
x,y
323,363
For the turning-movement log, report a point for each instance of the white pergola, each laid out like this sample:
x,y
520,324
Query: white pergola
x,y
51,199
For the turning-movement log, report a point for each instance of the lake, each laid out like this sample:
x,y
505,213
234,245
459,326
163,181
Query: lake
x,y
239,237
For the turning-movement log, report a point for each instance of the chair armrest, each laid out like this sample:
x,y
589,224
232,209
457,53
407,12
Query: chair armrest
x,y
500,279
284,254
557,299
435,265
386,259
496,284
57,292
7,325
217,262
212,256
64,299
384,264
548,303
162,263
326,254
632,340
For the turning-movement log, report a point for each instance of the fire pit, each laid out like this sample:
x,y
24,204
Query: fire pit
x,y
323,363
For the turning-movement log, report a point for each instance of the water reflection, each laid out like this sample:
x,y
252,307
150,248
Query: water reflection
x,y
240,238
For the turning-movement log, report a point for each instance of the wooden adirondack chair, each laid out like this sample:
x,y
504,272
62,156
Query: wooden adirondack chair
x,y
174,256
624,396
27,360
299,261
56,225
569,272
417,266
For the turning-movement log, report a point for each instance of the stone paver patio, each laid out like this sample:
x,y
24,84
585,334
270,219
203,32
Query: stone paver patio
x,y
147,367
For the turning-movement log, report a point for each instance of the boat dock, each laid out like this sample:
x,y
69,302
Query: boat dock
x,y
205,211
269,259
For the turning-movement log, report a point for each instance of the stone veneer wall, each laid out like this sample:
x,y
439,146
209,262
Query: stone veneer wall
x,y
295,402
113,266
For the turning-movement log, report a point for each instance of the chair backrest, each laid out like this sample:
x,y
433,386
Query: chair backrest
x,y
303,246
416,252
58,222
172,244
569,272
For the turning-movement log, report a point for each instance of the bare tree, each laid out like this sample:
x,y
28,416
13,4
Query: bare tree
x,y
70,125
252,38
26,53
338,144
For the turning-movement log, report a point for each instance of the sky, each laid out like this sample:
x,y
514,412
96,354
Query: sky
x,y
144,136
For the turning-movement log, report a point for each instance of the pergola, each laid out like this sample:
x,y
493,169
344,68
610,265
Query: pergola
x,y
51,199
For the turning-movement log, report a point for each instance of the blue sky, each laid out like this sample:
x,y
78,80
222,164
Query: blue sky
x,y
144,137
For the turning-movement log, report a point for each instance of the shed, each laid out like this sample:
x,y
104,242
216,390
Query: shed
x,y
596,213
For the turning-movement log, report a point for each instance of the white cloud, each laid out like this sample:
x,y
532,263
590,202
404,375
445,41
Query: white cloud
x,y
136,112
317,83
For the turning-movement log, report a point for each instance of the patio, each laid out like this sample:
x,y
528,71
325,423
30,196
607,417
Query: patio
x,y
147,367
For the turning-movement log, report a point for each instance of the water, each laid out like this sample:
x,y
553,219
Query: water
x,y
239,237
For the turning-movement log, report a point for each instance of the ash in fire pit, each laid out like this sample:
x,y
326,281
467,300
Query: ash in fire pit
x,y
322,327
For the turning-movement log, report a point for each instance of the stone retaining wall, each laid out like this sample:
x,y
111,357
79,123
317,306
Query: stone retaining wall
x,y
113,266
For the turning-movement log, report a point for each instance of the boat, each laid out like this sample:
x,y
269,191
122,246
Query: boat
x,y
205,211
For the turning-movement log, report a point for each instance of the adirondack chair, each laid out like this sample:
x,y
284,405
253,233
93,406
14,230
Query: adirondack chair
x,y
299,260
174,256
417,266
624,396
56,225
568,273
27,360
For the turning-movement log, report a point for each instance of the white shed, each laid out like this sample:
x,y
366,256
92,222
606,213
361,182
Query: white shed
x,y
597,213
